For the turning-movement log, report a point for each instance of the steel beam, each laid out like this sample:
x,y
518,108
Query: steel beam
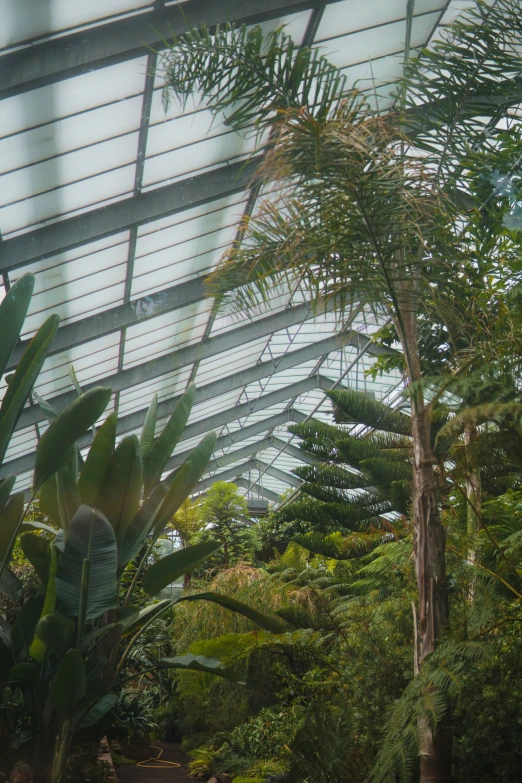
x,y
155,368
277,473
197,428
213,347
225,475
259,490
293,451
123,214
80,52
116,318
251,431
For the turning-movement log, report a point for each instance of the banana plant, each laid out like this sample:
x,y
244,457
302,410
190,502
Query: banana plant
x,y
70,647
13,311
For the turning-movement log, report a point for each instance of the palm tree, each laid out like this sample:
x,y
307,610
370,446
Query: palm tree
x,y
365,206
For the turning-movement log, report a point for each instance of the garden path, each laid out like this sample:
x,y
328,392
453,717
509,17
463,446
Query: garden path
x,y
130,773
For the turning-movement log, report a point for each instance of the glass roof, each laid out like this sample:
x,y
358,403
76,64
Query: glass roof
x,y
120,208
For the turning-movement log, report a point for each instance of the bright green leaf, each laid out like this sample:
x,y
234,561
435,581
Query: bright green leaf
x,y
159,453
71,424
69,684
97,462
171,567
120,495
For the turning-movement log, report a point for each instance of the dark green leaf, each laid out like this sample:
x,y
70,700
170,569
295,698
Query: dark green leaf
x,y
101,708
120,494
23,629
36,550
159,453
49,499
56,632
95,468
10,585
67,496
71,424
24,671
264,621
184,481
5,490
23,380
10,520
137,620
69,684
139,527
198,663
148,431
92,538
171,567
12,316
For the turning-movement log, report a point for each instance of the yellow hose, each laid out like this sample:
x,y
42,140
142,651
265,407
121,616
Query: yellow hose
x,y
157,761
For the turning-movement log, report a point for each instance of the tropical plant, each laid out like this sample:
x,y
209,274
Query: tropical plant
x,y
364,203
63,650
223,517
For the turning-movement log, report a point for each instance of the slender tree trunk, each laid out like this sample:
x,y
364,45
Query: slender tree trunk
x,y
473,486
429,539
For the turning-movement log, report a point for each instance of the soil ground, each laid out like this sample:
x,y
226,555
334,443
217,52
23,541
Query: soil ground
x,y
130,773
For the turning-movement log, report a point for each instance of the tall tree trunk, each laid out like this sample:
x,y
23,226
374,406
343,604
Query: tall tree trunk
x,y
473,486
429,537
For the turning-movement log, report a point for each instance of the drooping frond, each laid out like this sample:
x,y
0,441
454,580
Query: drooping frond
x,y
249,76
352,406
385,471
459,88
506,415
424,704
340,547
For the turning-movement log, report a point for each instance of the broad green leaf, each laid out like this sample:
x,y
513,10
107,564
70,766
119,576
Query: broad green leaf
x,y
265,622
36,549
95,467
56,631
67,496
199,663
12,316
23,671
10,520
171,567
71,424
24,377
69,684
10,585
37,649
140,526
33,525
159,453
148,430
48,495
92,538
120,494
134,622
184,481
5,490
23,629
100,708
79,392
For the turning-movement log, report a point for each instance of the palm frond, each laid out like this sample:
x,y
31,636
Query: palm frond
x,y
250,76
